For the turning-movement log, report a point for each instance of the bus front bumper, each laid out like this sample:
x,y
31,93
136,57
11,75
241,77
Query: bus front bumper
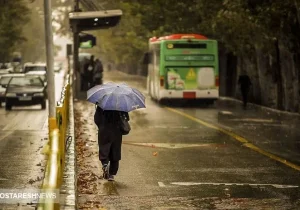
x,y
189,94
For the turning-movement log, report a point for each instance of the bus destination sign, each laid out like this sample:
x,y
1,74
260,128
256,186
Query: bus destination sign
x,y
189,58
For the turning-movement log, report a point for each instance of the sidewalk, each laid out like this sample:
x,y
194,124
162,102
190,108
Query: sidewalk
x,y
90,184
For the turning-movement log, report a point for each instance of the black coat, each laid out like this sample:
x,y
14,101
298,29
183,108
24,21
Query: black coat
x,y
109,134
244,82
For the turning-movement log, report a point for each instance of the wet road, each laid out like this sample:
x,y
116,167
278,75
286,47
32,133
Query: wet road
x,y
23,133
196,157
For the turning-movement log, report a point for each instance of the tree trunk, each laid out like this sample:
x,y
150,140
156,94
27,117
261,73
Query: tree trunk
x,y
267,87
278,77
222,71
231,74
297,77
297,9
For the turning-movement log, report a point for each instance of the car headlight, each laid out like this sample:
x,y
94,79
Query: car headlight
x,y
38,94
10,95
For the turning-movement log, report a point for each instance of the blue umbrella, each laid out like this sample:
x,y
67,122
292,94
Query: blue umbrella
x,y
119,97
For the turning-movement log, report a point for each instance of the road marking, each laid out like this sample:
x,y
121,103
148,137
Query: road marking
x,y
161,184
173,146
280,186
242,140
169,127
3,179
253,120
226,112
8,133
281,125
45,125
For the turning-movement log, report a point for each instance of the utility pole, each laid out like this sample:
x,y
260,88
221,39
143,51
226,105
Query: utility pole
x,y
50,71
76,67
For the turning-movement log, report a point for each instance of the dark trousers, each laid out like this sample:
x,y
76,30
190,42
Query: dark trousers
x,y
113,166
245,96
110,142
97,81
82,82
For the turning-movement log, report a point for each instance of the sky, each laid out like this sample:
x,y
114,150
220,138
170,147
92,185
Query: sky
x,y
59,40
62,41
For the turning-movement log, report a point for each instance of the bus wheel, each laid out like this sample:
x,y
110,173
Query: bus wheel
x,y
210,102
162,102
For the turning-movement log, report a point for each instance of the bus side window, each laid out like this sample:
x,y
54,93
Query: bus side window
x,y
147,58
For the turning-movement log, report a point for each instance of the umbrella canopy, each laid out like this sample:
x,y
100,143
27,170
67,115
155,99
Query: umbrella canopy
x,y
119,97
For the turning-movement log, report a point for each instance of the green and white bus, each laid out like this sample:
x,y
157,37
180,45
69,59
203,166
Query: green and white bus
x,y
183,66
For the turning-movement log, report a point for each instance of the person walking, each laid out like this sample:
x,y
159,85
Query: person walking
x,y
89,71
109,140
98,73
245,84
83,79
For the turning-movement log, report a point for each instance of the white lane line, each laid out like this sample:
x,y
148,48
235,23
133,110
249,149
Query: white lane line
x,y
8,133
254,120
169,127
45,125
161,184
3,179
280,186
226,112
172,146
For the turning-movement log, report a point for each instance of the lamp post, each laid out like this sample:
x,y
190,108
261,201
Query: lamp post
x,y
50,60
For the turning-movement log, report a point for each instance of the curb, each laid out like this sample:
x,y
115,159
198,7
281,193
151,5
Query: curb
x,y
68,192
259,107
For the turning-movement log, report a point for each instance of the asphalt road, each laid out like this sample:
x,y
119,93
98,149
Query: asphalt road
x,y
196,157
23,133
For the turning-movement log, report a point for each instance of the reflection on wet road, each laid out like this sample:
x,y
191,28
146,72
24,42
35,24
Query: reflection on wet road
x,y
23,133
170,160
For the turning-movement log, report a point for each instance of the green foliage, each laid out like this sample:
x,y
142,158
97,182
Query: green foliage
x,y
239,25
125,43
13,14
22,27
33,49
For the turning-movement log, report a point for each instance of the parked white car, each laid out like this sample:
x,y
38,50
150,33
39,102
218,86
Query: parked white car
x,y
34,67
6,68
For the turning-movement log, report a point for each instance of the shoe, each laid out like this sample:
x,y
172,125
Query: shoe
x,y
105,171
111,178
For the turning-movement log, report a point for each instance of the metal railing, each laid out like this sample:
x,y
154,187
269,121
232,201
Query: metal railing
x,y
55,149
53,171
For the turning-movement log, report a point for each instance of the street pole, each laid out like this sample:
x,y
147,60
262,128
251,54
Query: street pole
x,y
76,8
76,70
50,71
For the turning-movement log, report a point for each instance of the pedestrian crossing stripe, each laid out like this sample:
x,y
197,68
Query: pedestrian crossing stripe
x,y
191,74
278,186
174,146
